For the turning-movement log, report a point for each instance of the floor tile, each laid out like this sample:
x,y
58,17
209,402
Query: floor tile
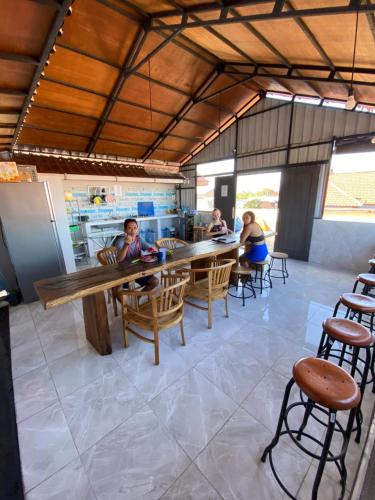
x,y
263,343
46,445
232,370
329,489
27,357
232,462
58,343
19,314
192,485
97,408
193,410
33,392
148,378
56,319
78,368
264,401
69,483
139,459
22,333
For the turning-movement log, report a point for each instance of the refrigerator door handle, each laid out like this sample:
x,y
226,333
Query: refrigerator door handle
x,y
2,234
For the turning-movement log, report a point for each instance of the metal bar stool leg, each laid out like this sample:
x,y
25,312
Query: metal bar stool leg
x,y
276,437
323,460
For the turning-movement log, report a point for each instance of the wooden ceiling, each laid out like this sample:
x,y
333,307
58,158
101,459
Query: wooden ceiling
x,y
157,80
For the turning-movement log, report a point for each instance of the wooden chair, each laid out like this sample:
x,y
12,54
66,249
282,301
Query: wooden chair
x,y
108,256
163,309
170,243
210,288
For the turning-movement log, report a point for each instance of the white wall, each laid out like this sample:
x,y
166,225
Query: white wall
x,y
342,245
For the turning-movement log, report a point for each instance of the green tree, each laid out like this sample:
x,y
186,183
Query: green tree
x,y
253,203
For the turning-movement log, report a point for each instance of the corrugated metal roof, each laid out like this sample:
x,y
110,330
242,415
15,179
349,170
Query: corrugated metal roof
x,y
61,165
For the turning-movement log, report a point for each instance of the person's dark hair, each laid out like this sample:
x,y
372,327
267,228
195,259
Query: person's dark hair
x,y
128,221
251,215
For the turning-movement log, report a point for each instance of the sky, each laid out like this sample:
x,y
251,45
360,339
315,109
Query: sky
x,y
355,162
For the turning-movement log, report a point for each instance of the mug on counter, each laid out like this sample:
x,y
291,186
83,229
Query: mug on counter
x,y
162,255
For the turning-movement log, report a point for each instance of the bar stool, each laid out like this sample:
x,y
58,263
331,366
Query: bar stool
x,y
329,389
280,273
243,273
367,280
355,336
357,305
263,275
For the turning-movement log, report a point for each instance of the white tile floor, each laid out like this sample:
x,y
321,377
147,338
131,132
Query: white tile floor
x,y
117,427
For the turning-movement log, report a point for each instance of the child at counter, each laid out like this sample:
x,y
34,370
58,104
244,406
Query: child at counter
x,y
130,247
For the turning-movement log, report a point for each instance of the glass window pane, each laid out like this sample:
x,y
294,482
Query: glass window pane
x,y
260,194
351,188
216,167
205,193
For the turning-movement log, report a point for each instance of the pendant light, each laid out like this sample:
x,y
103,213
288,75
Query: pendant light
x,y
351,100
150,96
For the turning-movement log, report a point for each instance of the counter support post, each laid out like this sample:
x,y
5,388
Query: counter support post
x,y
96,323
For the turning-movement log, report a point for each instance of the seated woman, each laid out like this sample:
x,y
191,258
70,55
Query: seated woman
x,y
217,226
252,233
130,247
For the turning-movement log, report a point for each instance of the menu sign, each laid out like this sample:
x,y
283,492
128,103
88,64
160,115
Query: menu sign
x,y
9,172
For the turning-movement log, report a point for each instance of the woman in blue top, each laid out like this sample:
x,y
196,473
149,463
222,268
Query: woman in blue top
x,y
130,247
252,233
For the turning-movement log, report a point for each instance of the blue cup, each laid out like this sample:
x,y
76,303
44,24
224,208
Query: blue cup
x,y
162,255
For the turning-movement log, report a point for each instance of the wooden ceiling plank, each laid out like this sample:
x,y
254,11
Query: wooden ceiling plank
x,y
371,20
50,40
268,44
20,58
50,3
184,110
128,69
118,9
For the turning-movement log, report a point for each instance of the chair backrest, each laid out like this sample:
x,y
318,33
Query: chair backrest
x,y
219,274
107,256
170,243
171,294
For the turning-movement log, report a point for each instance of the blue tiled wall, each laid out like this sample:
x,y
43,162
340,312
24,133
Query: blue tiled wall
x,y
163,197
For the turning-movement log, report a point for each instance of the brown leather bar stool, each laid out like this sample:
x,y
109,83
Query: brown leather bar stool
x,y
350,334
244,274
358,305
262,273
368,282
275,272
329,389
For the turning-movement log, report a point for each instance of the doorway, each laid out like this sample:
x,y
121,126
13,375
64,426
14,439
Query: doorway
x,y
260,194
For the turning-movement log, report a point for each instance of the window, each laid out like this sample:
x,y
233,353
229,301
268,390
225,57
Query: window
x,y
351,188
280,96
304,99
260,194
206,174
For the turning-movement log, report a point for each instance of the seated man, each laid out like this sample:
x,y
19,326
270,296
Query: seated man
x,y
129,248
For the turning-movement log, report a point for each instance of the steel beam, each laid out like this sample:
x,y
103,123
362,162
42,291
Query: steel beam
x,y
330,78
188,157
50,40
183,111
285,14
